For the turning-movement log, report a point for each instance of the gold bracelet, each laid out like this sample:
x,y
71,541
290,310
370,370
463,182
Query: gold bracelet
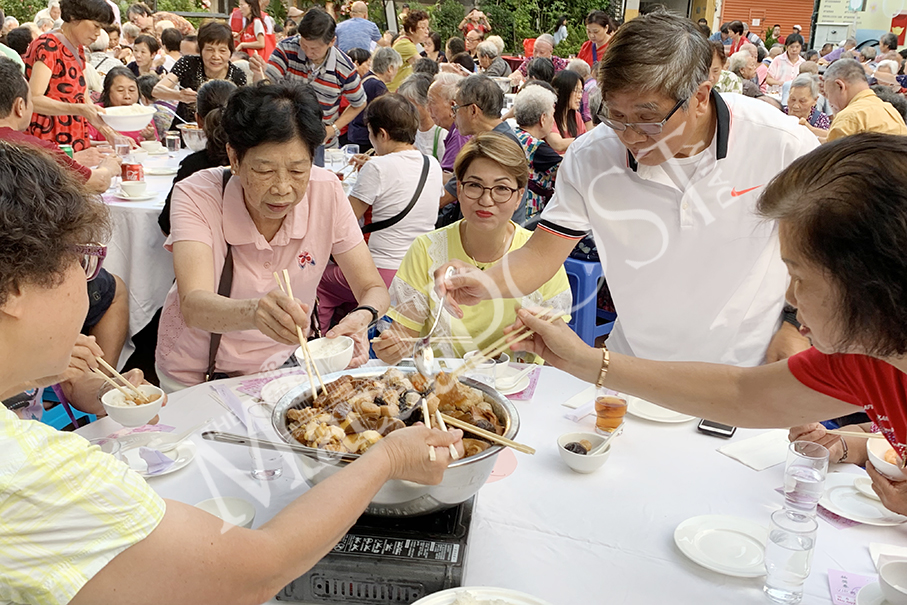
x,y
606,362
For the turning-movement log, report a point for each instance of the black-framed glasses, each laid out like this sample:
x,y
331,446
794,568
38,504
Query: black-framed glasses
x,y
499,193
643,128
91,258
455,107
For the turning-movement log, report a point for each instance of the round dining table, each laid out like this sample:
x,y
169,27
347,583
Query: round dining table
x,y
567,538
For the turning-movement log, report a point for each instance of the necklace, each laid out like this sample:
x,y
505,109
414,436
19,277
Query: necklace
x,y
503,245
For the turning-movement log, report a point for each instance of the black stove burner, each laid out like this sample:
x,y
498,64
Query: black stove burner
x,y
389,560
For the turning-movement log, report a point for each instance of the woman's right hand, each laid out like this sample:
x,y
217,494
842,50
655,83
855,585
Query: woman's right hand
x,y
407,452
556,343
277,315
187,96
817,433
92,113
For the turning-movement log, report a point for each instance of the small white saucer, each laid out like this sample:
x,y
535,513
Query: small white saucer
x,y
724,544
122,195
277,388
160,170
871,594
181,456
655,413
864,486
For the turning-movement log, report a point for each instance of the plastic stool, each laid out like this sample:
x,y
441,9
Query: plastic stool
x,y
586,320
58,418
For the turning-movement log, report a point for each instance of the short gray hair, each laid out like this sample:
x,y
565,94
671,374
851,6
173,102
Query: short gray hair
x,y
497,41
890,64
385,58
807,81
101,43
483,92
546,38
849,70
531,104
446,85
581,67
850,42
44,20
868,52
415,88
738,61
487,49
659,52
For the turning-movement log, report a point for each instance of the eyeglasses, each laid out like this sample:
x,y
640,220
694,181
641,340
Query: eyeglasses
x,y
455,107
644,128
91,258
499,193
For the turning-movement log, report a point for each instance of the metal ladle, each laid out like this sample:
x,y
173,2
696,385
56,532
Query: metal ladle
x,y
423,356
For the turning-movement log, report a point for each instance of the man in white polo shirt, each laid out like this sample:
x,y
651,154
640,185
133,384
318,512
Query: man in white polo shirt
x,y
668,187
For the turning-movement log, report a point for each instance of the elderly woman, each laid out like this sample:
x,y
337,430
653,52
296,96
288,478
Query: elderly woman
x,y
743,64
400,187
841,214
105,536
491,62
534,112
54,66
430,137
801,103
276,213
385,64
215,46
491,178
415,30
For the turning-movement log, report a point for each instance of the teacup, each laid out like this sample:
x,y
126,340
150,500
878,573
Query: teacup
x,y
893,581
134,188
152,146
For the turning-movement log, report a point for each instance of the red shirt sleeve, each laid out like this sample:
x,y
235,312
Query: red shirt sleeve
x,y
823,373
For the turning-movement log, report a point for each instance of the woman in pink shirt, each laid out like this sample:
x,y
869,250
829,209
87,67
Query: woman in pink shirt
x,y
276,212
785,66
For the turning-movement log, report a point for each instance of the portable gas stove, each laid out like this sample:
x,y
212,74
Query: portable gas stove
x,y
389,560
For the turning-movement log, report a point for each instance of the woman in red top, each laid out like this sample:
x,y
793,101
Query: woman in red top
x,y
53,66
841,217
253,38
600,27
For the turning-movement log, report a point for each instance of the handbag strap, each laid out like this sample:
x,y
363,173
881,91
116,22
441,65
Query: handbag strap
x,y
390,222
223,289
59,35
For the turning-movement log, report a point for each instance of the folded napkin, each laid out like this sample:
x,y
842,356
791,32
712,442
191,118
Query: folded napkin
x,y
761,451
157,461
885,553
581,412
581,398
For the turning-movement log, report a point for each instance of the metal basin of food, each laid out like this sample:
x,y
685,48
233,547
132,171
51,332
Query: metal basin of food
x,y
462,479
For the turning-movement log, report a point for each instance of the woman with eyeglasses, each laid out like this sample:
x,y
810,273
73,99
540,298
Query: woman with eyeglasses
x,y
491,178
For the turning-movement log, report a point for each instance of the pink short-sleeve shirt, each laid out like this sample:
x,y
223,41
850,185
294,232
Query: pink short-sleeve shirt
x,y
320,225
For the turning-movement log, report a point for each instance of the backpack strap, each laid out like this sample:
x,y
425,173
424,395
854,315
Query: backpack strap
x,y
223,289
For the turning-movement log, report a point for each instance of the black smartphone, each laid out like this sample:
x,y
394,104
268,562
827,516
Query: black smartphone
x,y
716,429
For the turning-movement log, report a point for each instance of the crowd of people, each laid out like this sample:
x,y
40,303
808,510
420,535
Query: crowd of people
x,y
636,154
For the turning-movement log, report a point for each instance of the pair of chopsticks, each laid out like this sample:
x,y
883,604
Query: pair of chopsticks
x,y
439,420
433,339
310,366
493,437
133,392
499,346
841,433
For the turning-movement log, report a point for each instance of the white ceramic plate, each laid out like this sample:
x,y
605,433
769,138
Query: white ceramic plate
x,y
277,388
121,195
519,386
159,170
842,498
864,486
182,456
871,594
728,545
649,411
481,593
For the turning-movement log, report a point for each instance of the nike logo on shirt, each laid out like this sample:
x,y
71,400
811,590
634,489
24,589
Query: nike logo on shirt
x,y
735,193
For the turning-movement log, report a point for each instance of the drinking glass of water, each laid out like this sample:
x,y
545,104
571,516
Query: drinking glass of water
x,y
349,151
804,476
267,464
173,142
122,147
788,555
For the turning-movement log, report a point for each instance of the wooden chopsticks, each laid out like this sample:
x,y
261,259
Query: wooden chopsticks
x,y
310,366
493,437
133,391
841,433
433,339
426,417
439,418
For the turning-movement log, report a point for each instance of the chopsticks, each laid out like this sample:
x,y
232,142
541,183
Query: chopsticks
x,y
499,346
433,339
493,437
135,392
841,433
426,417
307,356
439,418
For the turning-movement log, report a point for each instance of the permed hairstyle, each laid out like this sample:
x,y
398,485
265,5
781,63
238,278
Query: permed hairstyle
x,y
498,148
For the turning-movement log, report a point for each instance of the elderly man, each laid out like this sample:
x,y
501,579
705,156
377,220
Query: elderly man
x,y
473,38
669,191
849,45
98,57
491,62
357,31
311,56
857,108
141,15
441,99
544,47
430,137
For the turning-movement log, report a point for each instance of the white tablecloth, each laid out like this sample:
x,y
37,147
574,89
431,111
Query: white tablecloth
x,y
565,537
136,248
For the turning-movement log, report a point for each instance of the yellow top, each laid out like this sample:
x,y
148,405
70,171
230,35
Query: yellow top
x,y
414,303
866,113
407,50
66,510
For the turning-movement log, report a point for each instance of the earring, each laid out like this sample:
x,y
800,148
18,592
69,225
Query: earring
x,y
232,170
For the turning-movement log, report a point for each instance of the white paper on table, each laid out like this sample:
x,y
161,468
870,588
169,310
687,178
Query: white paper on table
x,y
581,398
581,412
885,553
759,452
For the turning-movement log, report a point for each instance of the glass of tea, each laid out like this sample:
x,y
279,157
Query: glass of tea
x,y
609,411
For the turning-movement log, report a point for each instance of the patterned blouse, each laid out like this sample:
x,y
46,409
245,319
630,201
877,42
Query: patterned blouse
x,y
816,118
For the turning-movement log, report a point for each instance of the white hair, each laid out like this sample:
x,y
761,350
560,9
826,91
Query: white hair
x,y
809,81
580,67
532,103
738,61
890,64
487,49
547,38
446,85
497,41
384,58
101,42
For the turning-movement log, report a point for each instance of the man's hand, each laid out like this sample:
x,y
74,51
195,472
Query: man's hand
x,y
390,348
556,343
257,65
90,157
893,494
468,286
786,342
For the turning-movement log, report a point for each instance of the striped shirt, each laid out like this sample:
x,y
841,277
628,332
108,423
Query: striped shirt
x,y
66,510
336,77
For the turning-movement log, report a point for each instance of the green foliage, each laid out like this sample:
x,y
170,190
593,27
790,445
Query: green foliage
x,y
377,15
278,11
445,17
22,10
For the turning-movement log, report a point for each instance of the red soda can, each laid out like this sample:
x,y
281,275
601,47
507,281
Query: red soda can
x,y
133,172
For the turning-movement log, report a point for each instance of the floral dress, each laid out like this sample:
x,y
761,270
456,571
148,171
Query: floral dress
x,y
541,176
67,84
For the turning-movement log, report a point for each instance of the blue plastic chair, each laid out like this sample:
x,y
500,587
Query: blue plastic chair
x,y
58,416
586,320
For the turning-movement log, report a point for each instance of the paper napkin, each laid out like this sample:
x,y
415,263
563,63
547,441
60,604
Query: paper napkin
x,y
759,452
157,461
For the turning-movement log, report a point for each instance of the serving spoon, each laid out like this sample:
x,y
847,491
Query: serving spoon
x,y
423,355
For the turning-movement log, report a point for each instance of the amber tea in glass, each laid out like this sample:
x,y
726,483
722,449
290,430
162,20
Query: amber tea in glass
x,y
609,412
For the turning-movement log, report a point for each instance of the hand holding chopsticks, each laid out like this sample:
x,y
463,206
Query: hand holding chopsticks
x,y
426,417
310,367
133,392
487,435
